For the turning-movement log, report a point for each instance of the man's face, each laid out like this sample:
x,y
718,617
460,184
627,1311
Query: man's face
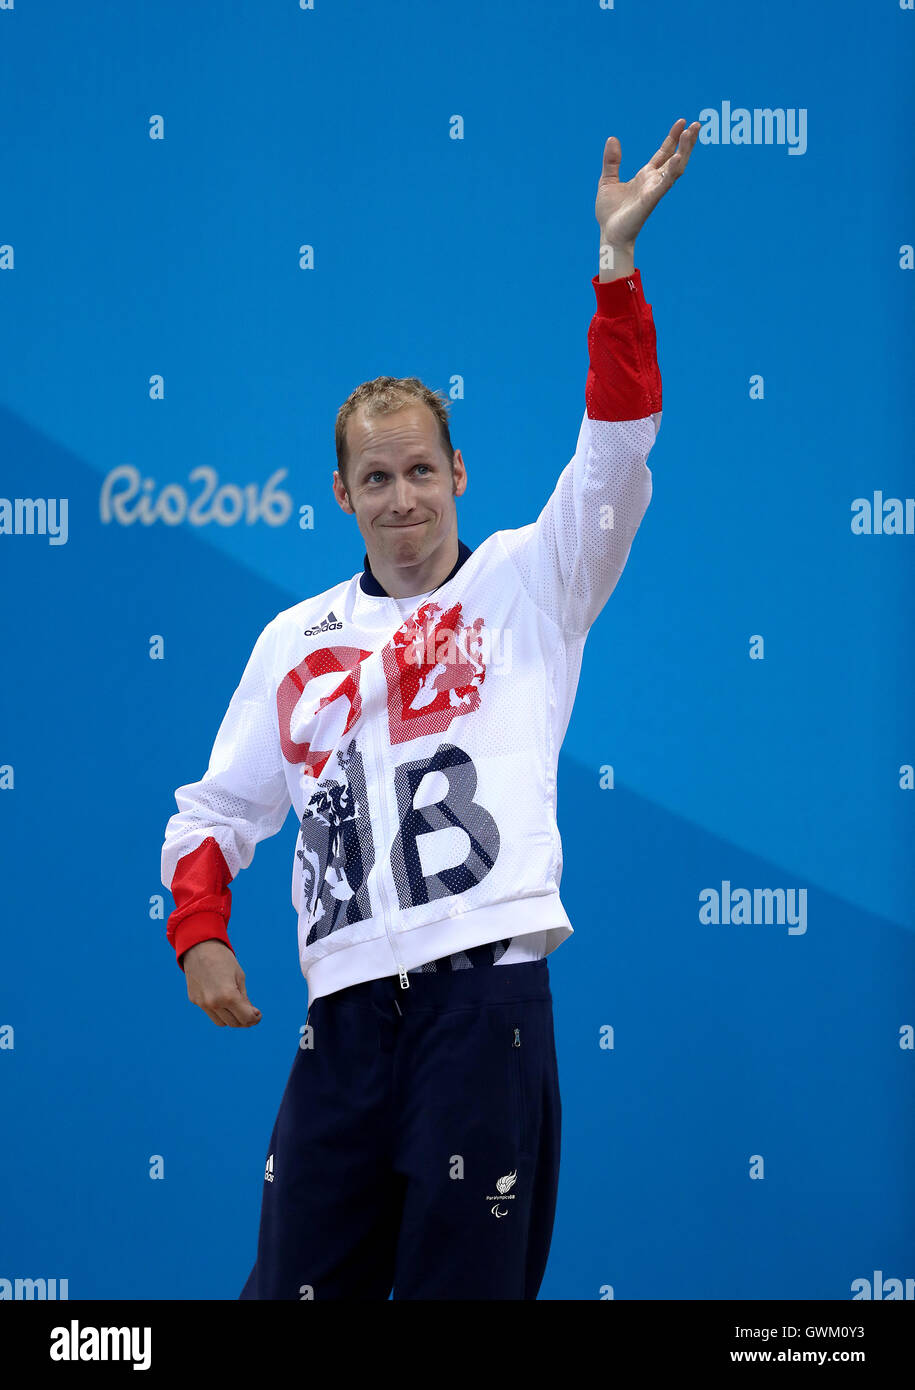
x,y
399,484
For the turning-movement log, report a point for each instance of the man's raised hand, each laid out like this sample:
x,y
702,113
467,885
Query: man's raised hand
x,y
621,208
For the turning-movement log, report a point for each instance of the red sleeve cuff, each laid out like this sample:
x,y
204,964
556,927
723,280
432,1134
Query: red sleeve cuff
x,y
616,297
203,926
203,899
624,380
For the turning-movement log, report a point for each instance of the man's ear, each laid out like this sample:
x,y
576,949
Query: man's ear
x,y
346,504
457,456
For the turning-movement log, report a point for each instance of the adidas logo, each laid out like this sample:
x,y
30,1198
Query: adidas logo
x,y
268,1171
330,623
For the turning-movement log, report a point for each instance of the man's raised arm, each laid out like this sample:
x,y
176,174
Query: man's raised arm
x,y
572,556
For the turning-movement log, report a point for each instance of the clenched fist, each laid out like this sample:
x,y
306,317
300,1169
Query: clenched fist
x,y
216,983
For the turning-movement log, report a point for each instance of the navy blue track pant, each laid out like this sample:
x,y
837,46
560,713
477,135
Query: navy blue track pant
x,y
417,1143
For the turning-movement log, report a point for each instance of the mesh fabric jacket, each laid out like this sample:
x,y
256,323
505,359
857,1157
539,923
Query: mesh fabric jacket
x,y
420,752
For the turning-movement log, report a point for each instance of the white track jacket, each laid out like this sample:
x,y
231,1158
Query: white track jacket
x,y
418,741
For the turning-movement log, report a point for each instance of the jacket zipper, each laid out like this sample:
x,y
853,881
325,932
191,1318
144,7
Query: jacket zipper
x,y
638,333
638,328
382,792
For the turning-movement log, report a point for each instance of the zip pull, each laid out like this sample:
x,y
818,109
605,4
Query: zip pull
x,y
517,1038
404,981
630,283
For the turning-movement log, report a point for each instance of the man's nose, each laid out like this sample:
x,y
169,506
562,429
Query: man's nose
x,y
403,495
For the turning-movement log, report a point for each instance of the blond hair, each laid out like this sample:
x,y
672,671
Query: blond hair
x,y
384,396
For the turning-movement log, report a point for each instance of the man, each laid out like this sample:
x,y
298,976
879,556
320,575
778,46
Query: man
x,y
413,715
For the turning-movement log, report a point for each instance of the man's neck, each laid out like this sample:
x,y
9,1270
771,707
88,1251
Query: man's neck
x,y
407,581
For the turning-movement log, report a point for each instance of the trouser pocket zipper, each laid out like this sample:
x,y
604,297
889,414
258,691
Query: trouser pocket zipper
x,y
517,1087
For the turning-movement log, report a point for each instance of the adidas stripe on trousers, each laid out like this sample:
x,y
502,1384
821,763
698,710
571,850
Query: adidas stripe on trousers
x,y
415,1154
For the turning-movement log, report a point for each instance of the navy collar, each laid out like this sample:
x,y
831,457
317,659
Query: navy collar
x,y
370,585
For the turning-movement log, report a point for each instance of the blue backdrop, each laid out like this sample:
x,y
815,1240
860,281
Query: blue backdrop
x,y
218,219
